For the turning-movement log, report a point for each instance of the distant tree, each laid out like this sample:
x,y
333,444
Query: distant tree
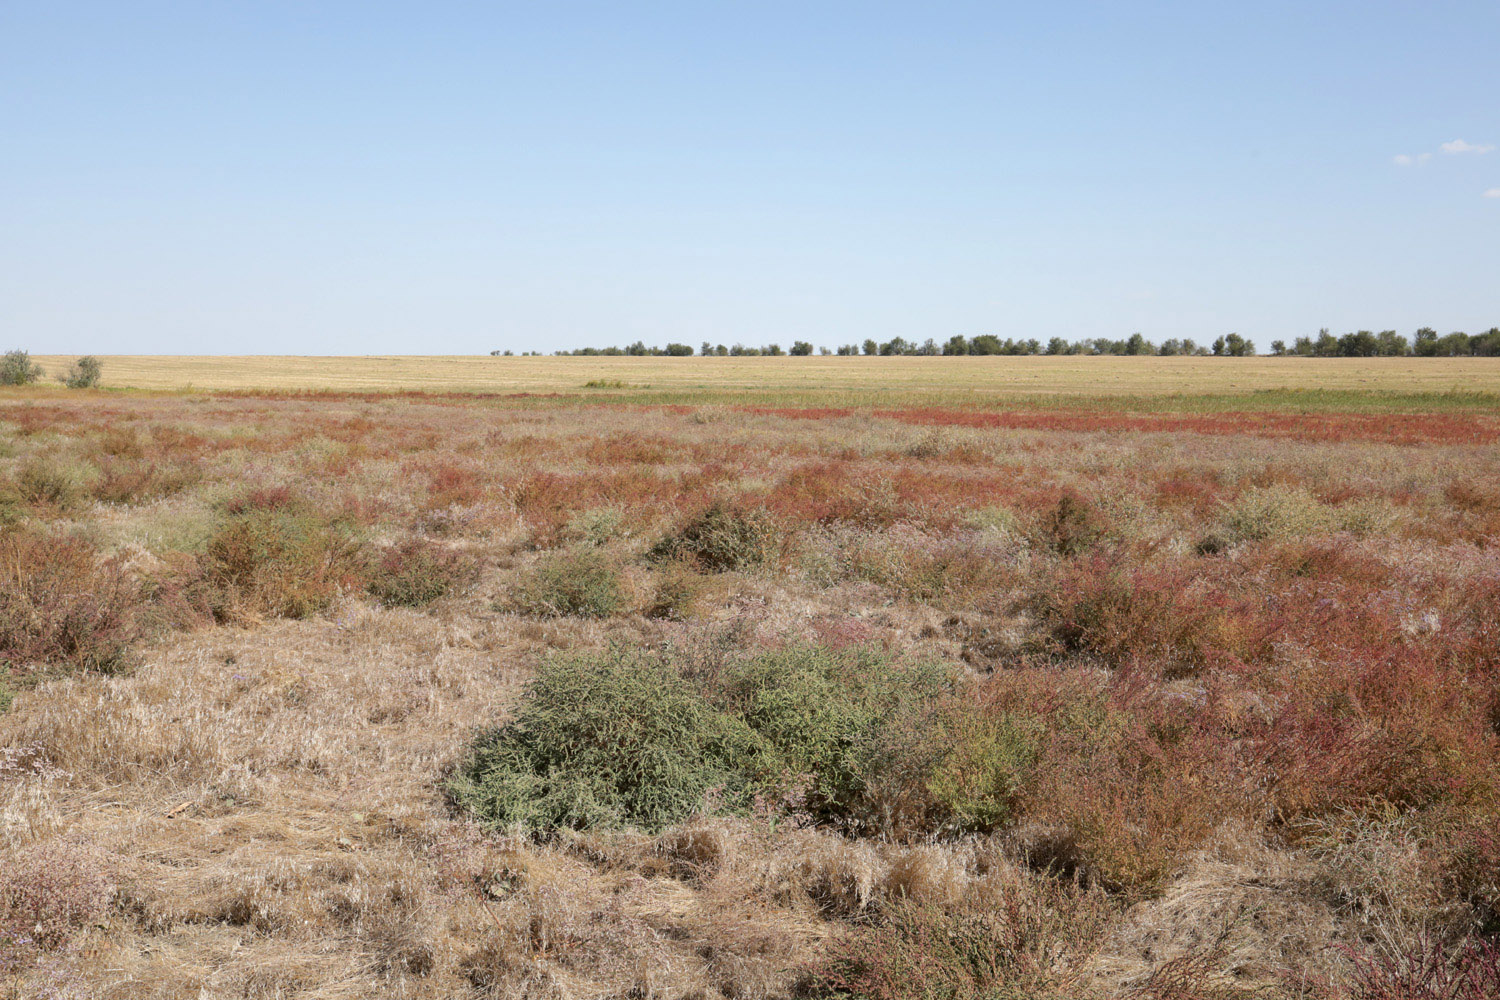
x,y
679,351
1453,345
823,351
774,350
1137,344
848,350
17,368
985,343
1219,347
1169,347
871,347
957,344
929,348
1390,344
84,373
801,348
1057,346
1425,342
1486,344
1278,348
1358,345
706,349
1327,345
1238,347
896,345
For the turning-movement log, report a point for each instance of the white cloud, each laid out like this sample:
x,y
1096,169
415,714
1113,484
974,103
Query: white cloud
x,y
1492,193
1407,160
1459,146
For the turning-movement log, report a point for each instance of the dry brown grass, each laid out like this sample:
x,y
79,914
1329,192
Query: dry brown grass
x,y
1290,745
1087,376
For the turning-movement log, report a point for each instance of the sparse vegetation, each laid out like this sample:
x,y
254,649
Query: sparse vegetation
x,y
779,692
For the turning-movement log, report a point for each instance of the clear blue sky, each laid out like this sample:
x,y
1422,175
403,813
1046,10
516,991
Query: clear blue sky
x,y
366,177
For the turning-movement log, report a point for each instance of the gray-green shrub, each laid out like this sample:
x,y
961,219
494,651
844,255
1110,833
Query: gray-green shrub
x,y
583,582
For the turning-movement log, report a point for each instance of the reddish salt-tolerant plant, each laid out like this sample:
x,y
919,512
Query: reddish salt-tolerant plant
x,y
63,604
1427,970
48,896
416,572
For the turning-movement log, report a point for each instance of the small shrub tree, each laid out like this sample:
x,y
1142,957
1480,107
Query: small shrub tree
x,y
17,368
723,538
83,374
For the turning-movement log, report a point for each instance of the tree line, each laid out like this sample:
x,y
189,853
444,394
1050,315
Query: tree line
x,y
1360,344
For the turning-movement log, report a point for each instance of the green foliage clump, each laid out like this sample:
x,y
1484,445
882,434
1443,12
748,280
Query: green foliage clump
x,y
850,738
582,582
281,562
83,374
618,740
17,368
416,573
7,696
723,538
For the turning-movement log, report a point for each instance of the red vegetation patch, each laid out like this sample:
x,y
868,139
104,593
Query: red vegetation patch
x,y
1407,428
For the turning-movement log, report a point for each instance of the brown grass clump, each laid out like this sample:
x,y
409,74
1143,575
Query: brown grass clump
x,y
62,603
278,562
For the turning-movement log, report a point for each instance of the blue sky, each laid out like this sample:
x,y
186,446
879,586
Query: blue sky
x,y
340,177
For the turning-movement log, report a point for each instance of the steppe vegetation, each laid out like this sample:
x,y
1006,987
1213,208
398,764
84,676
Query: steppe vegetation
x,y
756,693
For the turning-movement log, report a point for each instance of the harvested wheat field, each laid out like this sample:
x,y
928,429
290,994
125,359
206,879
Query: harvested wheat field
x,y
1160,690
923,379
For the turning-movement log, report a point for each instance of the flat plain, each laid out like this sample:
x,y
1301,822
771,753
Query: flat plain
x,y
948,378
756,678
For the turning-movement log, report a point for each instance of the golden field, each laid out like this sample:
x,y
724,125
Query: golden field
x,y
949,376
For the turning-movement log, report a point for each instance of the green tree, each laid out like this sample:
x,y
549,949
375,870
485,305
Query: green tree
x,y
871,348
17,368
801,348
85,372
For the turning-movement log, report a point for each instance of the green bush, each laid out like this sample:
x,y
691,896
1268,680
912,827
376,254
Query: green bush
x,y
723,538
83,374
7,696
279,562
618,740
849,737
17,368
851,720
416,573
581,582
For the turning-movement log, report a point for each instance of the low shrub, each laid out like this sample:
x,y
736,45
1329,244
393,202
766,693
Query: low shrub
x,y
48,895
61,604
1025,939
1428,970
595,526
612,741
416,572
56,483
1074,526
132,481
678,594
723,538
280,562
582,582
856,721
851,738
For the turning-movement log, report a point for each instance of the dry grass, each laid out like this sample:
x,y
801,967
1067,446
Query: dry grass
x,y
1255,656
978,376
